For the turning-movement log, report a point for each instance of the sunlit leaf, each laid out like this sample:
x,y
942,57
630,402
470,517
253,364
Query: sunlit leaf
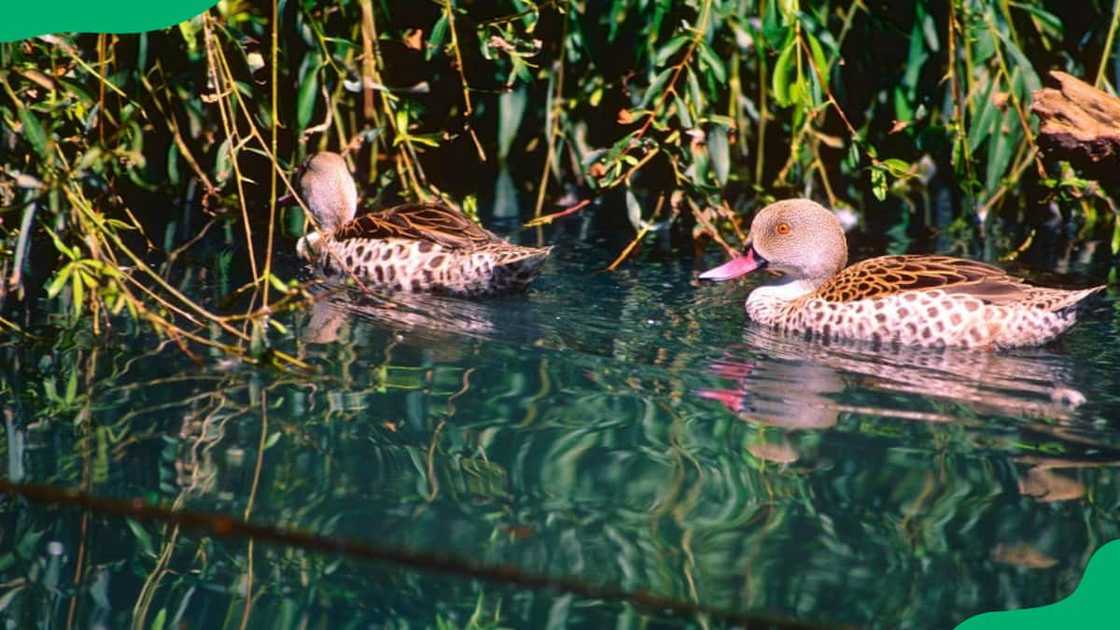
x,y
708,56
878,183
720,153
59,281
435,40
670,48
780,79
656,86
34,132
511,108
633,210
819,60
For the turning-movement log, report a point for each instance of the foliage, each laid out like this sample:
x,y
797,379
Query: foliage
x,y
679,117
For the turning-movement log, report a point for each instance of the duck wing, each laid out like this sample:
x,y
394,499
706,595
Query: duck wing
x,y
434,223
889,275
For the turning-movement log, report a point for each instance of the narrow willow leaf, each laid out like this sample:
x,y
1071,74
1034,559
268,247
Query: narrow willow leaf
x,y
77,293
669,49
897,167
1047,23
34,132
682,112
59,281
714,63
1024,66
435,40
1003,146
983,119
694,92
306,98
222,161
780,80
656,86
173,164
720,153
819,60
633,210
878,183
773,33
511,108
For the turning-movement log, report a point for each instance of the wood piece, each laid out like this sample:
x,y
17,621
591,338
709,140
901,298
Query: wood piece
x,y
1081,124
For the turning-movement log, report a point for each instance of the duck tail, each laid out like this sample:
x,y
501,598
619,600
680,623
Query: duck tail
x,y
1057,300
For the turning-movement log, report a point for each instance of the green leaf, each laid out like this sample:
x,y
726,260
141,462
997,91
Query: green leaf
x,y
633,210
77,295
34,132
72,387
720,153
142,537
1024,66
780,80
670,47
306,98
1116,238
511,109
878,183
682,112
1005,139
435,40
694,92
897,167
656,86
715,64
272,440
819,60
59,281
173,164
1047,23
983,119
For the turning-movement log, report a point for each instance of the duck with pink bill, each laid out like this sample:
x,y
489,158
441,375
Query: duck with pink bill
x,y
922,300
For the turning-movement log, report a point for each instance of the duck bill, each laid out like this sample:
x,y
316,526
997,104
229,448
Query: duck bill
x,y
740,266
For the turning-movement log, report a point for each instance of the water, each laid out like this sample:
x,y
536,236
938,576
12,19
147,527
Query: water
x,y
623,431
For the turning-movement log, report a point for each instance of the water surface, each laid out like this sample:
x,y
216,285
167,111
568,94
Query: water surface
x,y
625,430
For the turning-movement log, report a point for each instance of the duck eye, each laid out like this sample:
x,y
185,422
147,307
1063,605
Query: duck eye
x,y
782,228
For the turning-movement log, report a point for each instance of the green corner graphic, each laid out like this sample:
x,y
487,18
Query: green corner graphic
x,y
28,18
1093,604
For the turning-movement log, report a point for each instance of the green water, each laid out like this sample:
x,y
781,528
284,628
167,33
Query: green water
x,y
625,431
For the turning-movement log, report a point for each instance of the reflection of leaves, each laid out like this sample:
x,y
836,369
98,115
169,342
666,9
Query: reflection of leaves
x,y
142,537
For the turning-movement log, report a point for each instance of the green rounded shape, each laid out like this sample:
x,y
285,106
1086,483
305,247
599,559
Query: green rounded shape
x,y
28,18
1093,604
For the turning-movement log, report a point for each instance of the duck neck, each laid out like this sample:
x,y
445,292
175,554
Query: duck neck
x,y
786,289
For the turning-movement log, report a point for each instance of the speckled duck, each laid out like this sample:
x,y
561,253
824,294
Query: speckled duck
x,y
914,300
412,247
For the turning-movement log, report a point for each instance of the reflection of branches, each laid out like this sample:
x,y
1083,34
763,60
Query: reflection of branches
x,y
225,526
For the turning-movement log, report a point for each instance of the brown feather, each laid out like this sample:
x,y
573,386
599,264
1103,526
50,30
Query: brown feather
x,y
433,223
888,275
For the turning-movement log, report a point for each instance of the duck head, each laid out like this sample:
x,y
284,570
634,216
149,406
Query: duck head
x,y
798,237
327,188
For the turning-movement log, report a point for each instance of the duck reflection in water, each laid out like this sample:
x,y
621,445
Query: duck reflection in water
x,y
780,381
783,382
427,316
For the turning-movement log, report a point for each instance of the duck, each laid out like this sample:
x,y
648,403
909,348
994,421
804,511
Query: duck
x,y
415,247
917,299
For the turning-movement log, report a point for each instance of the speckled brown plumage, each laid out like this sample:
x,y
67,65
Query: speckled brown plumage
x,y
913,300
412,247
